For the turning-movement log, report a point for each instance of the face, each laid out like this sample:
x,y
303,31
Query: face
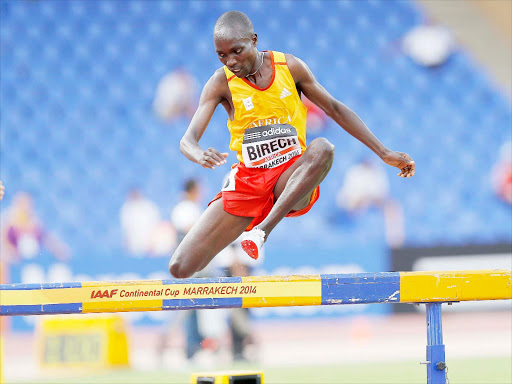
x,y
237,54
194,194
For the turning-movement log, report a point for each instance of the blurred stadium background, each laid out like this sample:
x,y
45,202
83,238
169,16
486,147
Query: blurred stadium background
x,y
79,130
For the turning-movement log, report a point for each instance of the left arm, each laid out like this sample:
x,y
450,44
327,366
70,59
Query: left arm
x,y
345,117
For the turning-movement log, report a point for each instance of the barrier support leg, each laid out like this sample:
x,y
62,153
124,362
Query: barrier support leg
x,y
436,365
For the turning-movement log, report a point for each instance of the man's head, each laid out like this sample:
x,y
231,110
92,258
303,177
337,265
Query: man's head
x,y
192,190
235,42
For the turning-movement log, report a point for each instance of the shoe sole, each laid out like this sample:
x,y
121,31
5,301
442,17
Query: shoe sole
x,y
250,248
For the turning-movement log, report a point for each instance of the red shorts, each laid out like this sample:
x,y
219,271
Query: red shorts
x,y
249,192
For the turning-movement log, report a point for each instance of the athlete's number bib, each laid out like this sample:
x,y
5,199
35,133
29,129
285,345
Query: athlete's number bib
x,y
270,146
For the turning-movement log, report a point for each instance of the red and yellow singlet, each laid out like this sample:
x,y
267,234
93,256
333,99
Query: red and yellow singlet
x,y
269,127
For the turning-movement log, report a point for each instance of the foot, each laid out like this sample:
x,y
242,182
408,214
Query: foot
x,y
253,242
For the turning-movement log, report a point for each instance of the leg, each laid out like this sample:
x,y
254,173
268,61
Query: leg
x,y
295,186
193,336
214,231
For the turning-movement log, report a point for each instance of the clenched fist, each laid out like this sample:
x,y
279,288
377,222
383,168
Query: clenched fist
x,y
402,161
211,157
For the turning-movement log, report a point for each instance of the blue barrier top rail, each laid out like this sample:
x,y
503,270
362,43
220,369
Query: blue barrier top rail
x,y
254,291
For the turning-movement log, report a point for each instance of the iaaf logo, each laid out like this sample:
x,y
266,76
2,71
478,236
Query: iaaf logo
x,y
105,293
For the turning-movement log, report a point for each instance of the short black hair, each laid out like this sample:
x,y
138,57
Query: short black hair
x,y
233,24
190,184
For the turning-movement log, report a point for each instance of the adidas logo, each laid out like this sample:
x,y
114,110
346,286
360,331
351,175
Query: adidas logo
x,y
285,93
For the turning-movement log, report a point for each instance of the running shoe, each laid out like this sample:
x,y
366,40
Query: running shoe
x,y
253,242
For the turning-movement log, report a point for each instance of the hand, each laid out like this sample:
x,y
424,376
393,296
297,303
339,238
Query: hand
x,y
402,161
211,157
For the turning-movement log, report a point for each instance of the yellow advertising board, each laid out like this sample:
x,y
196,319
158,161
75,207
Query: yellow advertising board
x,y
83,342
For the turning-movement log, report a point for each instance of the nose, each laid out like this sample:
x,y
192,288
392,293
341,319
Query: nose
x,y
231,62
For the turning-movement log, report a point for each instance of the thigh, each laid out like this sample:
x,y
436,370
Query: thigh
x,y
316,161
214,231
283,179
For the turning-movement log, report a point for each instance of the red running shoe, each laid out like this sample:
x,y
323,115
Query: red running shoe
x,y
253,242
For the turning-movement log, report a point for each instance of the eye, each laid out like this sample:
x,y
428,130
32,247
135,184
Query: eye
x,y
238,51
221,55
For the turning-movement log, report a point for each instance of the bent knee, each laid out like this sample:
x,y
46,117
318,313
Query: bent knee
x,y
322,149
179,270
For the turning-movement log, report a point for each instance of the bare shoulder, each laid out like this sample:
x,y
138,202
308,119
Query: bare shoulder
x,y
217,85
297,67
218,79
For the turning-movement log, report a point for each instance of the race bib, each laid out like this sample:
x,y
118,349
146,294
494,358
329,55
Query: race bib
x,y
270,146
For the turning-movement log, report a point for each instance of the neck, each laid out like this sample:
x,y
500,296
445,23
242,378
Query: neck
x,y
258,62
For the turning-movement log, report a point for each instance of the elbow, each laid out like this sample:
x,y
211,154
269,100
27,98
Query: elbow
x,y
183,145
332,114
338,113
333,110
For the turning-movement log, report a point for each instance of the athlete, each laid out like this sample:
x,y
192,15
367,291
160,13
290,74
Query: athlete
x,y
277,174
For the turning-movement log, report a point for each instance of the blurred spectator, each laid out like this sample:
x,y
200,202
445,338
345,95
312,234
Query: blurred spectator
x,y
163,239
2,190
316,118
23,235
176,95
429,45
205,330
235,262
188,210
365,185
183,217
502,174
144,232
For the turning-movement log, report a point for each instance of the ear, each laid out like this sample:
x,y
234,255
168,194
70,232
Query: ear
x,y
255,39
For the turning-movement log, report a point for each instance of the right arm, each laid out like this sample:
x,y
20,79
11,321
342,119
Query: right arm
x,y
345,117
211,97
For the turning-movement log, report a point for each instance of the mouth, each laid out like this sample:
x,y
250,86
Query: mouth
x,y
236,71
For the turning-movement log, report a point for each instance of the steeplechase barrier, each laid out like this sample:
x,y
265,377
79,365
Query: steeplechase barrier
x,y
430,288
